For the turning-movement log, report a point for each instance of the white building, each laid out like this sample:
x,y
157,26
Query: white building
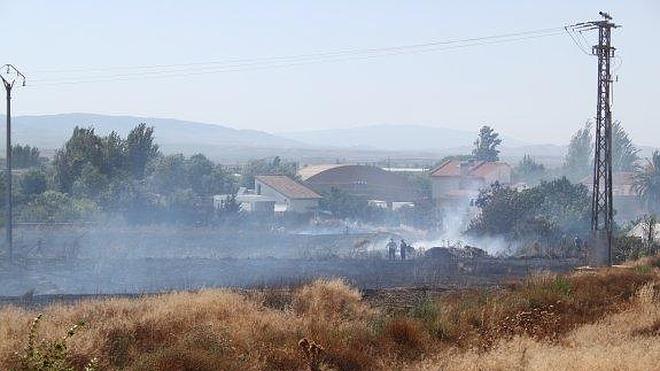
x,y
289,195
250,203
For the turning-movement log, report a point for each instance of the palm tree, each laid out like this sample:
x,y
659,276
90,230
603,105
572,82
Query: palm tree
x,y
647,182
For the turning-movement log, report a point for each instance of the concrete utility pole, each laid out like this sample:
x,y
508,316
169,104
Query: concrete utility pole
x,y
9,75
602,209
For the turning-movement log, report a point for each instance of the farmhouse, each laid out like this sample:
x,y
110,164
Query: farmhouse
x,y
290,196
369,182
456,183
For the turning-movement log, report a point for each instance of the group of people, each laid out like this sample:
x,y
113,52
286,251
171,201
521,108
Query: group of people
x,y
404,249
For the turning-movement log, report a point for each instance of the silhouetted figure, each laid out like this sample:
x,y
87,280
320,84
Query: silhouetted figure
x,y
577,243
404,249
391,249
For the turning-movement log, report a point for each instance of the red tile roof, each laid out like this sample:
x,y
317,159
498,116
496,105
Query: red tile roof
x,y
485,168
477,169
448,168
288,187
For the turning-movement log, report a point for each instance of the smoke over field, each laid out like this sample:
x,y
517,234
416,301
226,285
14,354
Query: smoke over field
x,y
106,260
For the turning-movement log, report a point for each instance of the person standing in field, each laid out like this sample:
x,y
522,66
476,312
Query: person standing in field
x,y
404,248
391,249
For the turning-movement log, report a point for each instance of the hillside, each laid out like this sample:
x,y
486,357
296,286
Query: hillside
x,y
410,144
50,131
403,143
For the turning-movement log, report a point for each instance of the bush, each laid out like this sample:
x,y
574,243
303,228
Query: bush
x,y
50,355
52,206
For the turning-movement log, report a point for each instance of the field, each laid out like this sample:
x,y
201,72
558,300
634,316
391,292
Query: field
x,y
585,320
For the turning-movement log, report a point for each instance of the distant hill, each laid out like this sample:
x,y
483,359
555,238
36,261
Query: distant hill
x,y
392,138
51,131
412,144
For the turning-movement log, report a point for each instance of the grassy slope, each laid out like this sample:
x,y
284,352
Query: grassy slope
x,y
593,320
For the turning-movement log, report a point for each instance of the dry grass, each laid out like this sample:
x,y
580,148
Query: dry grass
x,y
612,343
576,321
206,330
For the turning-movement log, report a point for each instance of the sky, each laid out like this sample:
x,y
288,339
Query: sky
x,y
537,90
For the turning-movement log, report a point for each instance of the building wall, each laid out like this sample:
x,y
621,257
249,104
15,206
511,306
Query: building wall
x,y
440,186
501,175
292,205
265,190
303,206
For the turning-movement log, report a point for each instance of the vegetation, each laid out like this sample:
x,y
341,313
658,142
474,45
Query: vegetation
x,y
579,158
24,157
94,175
624,153
547,212
548,321
529,171
276,166
343,205
49,355
486,145
647,182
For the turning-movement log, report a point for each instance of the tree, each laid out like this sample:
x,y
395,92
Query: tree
x,y
84,147
90,183
140,149
114,155
624,153
649,224
529,170
579,158
33,183
646,182
53,206
169,174
276,166
344,205
23,157
485,147
207,178
548,211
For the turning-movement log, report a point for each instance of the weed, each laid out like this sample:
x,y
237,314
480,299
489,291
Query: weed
x,y
49,355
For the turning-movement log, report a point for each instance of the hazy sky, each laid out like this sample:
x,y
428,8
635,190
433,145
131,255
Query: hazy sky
x,y
537,90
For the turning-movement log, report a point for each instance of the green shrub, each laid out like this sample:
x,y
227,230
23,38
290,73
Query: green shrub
x,y
49,355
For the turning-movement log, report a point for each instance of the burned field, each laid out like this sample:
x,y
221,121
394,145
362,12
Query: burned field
x,y
111,261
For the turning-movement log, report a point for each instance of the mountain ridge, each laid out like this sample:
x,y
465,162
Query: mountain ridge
x,y
396,137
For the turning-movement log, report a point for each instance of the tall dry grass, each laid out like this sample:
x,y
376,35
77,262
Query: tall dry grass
x,y
206,330
628,340
573,319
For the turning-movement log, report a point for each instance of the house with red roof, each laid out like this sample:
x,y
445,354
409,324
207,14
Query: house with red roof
x,y
456,183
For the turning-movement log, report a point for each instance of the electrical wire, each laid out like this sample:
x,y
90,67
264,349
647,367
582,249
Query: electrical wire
x,y
178,70
309,55
570,31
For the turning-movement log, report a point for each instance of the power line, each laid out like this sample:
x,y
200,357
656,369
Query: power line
x,y
308,55
192,69
570,31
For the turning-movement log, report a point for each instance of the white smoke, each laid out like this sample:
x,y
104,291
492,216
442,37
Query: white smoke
x,y
455,222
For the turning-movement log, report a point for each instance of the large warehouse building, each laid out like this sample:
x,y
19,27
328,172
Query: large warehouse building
x,y
370,182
